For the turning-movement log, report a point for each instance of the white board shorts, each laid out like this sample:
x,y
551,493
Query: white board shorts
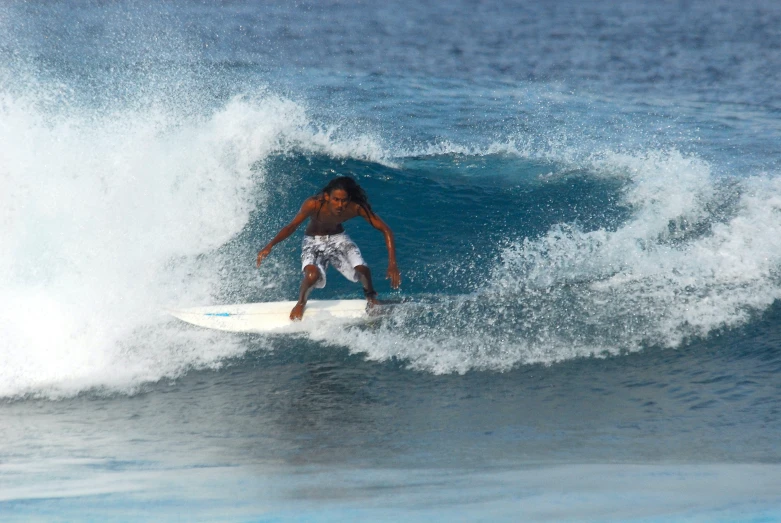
x,y
336,249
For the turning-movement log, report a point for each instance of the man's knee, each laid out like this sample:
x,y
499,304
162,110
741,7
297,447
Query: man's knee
x,y
311,274
364,270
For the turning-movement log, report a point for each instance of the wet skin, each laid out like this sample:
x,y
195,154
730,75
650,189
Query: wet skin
x,y
326,215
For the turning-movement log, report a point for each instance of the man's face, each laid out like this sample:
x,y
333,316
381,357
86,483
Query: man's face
x,y
337,201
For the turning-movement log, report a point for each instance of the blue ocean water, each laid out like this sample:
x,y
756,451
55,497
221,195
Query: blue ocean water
x,y
586,199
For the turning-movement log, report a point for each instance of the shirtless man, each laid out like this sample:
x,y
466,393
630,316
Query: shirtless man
x,y
326,242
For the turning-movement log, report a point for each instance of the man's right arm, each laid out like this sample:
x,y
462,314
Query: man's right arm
x,y
306,210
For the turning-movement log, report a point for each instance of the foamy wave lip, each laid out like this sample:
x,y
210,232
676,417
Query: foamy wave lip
x,y
107,218
294,130
674,270
446,147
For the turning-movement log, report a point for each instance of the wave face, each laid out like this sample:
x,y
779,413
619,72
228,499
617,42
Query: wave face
x,y
144,163
626,252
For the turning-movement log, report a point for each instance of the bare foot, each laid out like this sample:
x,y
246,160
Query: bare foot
x,y
372,301
298,311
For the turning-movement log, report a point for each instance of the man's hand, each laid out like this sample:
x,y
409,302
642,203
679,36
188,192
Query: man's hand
x,y
262,255
393,275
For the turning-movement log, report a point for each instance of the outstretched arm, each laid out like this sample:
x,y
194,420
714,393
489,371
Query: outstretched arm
x,y
305,211
375,221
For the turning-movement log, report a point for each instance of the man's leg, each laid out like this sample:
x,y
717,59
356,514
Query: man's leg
x,y
365,277
311,275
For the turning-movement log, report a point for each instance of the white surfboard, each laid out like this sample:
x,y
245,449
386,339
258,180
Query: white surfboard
x,y
272,316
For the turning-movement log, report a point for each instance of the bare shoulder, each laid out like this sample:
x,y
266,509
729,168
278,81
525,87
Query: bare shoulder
x,y
358,210
371,217
310,204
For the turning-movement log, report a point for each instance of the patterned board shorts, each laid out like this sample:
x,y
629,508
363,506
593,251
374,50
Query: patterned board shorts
x,y
336,249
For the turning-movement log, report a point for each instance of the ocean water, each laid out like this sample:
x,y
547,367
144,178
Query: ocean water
x,y
586,199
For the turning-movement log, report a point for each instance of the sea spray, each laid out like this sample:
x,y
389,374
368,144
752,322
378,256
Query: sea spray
x,y
108,217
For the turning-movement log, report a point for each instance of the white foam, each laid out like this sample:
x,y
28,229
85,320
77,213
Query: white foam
x,y
657,265
107,216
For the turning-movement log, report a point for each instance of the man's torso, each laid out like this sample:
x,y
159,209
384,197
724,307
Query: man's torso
x,y
322,222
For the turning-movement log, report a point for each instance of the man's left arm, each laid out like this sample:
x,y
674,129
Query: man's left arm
x,y
375,221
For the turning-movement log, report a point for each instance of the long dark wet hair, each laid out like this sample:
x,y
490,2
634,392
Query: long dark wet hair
x,y
353,190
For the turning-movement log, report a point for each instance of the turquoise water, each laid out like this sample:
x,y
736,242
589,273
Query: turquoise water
x,y
585,198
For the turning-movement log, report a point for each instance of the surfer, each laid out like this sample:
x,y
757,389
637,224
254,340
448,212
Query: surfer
x,y
326,242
